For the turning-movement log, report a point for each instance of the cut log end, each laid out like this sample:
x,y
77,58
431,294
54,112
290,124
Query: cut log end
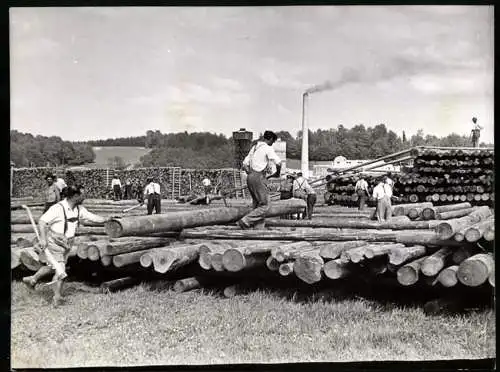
x,y
448,276
445,231
475,270
272,264
146,260
113,228
232,259
286,269
407,275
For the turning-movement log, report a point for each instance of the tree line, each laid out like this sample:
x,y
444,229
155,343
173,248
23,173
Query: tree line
x,y
39,151
208,150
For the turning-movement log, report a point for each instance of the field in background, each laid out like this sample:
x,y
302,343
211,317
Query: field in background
x,y
130,155
148,325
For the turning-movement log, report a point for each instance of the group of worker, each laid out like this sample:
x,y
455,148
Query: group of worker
x,y
382,194
151,192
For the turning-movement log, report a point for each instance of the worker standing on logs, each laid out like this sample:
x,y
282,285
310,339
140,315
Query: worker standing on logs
x,y
261,163
57,231
382,194
116,185
61,184
363,192
206,186
128,189
302,190
153,195
475,133
52,194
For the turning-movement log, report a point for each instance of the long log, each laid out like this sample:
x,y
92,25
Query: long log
x,y
336,269
475,232
408,274
453,214
448,276
120,283
430,212
334,250
176,221
308,267
402,255
372,251
173,258
286,268
127,245
433,264
285,251
447,229
403,209
475,270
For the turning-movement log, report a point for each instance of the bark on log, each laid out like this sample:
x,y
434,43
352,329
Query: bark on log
x,y
372,251
176,221
286,268
447,229
448,276
475,270
121,283
475,232
403,255
403,209
187,284
30,259
434,263
408,274
334,250
308,267
453,214
336,269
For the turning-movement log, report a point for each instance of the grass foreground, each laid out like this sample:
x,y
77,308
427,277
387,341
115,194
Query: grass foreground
x,y
148,325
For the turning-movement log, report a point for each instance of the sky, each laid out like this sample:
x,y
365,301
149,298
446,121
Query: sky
x,y
86,73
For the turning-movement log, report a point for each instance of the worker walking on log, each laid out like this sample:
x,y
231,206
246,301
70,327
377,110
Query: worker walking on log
x,y
382,194
57,231
361,189
475,133
52,194
153,196
116,185
302,190
261,163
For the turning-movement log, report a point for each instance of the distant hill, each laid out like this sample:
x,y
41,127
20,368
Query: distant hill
x,y
130,155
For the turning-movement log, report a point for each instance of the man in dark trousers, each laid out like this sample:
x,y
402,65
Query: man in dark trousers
x,y
302,190
475,133
52,194
153,196
261,163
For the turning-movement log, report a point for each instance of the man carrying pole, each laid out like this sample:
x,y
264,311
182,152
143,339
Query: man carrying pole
x,y
261,163
57,231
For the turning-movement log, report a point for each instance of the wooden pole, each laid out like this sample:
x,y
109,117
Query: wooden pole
x,y
447,229
402,255
475,232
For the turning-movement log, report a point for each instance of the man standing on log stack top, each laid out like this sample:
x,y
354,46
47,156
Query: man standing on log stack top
x,y
153,195
57,231
382,194
475,133
302,190
261,163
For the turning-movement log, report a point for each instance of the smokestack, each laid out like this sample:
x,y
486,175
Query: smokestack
x,y
304,164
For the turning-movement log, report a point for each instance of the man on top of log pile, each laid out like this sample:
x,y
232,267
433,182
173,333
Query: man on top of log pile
x,y
52,194
302,190
475,132
116,185
261,163
153,195
206,186
361,189
57,231
382,194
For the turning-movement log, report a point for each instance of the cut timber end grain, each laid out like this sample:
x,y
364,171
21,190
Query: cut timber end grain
x,y
333,250
336,269
127,258
475,232
286,268
448,276
489,234
402,209
308,267
82,251
146,259
93,253
271,263
408,274
285,251
433,264
216,260
106,260
414,213
475,270
231,291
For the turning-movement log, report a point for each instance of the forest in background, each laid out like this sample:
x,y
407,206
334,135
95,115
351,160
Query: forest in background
x,y
208,150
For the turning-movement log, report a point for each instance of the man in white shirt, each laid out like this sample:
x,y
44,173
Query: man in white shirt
x,y
475,132
362,191
302,190
382,194
261,163
60,184
153,196
57,231
116,186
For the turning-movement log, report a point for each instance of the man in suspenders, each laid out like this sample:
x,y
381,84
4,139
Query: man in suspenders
x,y
57,231
302,190
261,163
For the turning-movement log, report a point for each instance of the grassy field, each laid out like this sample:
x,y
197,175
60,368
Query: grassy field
x,y
151,325
130,155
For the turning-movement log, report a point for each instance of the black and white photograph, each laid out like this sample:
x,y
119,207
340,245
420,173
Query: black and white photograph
x,y
251,185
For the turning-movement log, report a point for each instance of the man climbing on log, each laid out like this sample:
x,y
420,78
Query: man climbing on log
x,y
57,231
361,189
475,132
382,194
52,194
261,163
302,190
153,196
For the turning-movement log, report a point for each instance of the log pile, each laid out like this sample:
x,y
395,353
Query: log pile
x,y
201,244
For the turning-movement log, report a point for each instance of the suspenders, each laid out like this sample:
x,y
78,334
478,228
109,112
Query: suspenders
x,y
66,218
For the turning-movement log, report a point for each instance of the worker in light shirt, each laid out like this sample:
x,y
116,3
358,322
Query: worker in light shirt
x,y
60,184
302,190
153,196
382,194
57,231
261,163
116,185
363,193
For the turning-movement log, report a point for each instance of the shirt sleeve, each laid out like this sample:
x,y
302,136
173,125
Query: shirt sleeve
x,y
89,216
51,215
272,156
